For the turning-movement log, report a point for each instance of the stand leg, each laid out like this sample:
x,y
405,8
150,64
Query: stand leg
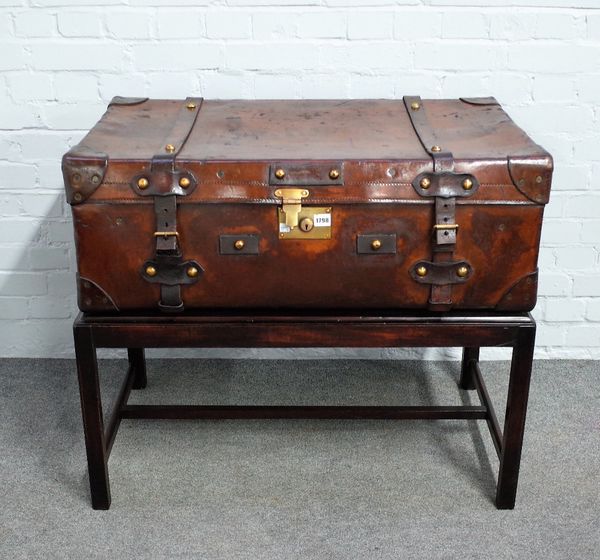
x,y
137,361
466,380
514,423
93,424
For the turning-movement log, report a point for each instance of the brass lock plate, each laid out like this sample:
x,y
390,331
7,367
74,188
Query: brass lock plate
x,y
314,222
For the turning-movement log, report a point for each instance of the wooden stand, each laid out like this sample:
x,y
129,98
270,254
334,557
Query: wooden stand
x,y
268,330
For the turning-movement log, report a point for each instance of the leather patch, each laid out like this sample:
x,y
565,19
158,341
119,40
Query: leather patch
x,y
522,295
479,100
238,244
171,271
306,174
532,176
376,244
164,183
441,273
83,172
445,185
120,100
91,297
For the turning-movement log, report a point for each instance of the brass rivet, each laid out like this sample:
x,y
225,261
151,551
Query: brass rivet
x,y
280,173
538,179
192,272
436,149
334,174
150,271
143,183
169,148
239,244
76,177
95,179
421,271
376,245
462,271
277,192
425,183
77,197
415,106
184,182
191,106
467,184
305,193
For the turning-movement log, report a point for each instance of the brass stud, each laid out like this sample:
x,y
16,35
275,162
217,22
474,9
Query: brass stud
x,y
143,183
76,178
239,244
192,272
304,193
278,193
280,173
462,271
334,174
96,179
169,148
184,182
77,197
436,149
150,271
191,106
467,184
376,245
425,183
415,106
421,271
538,179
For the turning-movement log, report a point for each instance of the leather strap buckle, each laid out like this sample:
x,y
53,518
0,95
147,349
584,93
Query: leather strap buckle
x,y
441,226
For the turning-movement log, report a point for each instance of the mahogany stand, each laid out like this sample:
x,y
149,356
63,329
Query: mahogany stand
x,y
296,330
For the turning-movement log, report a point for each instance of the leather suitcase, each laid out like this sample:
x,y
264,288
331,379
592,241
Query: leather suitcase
x,y
380,204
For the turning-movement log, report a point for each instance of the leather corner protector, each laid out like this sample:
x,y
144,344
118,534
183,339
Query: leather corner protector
x,y
91,297
120,100
532,176
83,172
522,295
480,100
164,183
441,273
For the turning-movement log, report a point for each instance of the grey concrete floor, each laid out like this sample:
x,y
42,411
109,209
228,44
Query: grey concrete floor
x,y
299,489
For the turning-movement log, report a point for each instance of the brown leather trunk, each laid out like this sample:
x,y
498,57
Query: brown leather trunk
x,y
433,204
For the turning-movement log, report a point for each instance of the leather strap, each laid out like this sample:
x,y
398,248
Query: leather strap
x,y
167,249
445,228
168,254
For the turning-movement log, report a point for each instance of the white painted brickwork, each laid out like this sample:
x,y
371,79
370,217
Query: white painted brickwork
x,y
61,61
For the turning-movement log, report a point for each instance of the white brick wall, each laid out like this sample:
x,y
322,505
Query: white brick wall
x,y
61,61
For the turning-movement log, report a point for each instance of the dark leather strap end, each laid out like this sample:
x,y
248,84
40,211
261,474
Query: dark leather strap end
x,y
441,273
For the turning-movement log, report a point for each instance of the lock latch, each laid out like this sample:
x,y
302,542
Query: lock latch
x,y
292,204
301,222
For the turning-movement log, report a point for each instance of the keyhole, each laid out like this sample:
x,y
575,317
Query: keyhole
x,y
306,224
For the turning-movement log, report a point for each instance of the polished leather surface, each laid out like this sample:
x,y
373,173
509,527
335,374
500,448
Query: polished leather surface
x,y
231,152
